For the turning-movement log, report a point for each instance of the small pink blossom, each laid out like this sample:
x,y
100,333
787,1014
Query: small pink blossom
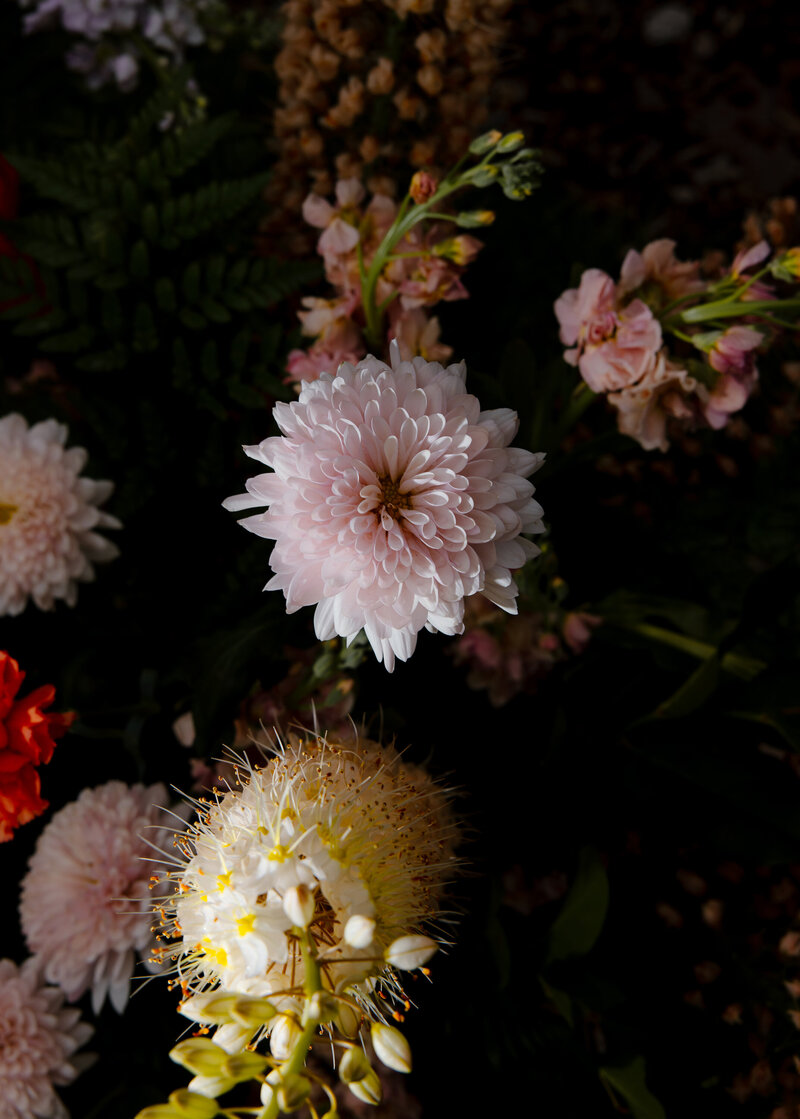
x,y
658,264
733,356
577,630
750,257
612,348
392,497
416,333
665,391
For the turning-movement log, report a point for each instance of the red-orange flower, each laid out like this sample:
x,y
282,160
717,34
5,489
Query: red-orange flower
x,y
27,737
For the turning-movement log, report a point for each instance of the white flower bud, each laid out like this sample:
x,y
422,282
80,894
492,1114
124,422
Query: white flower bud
x,y
293,1091
200,1055
252,1012
283,1035
368,1089
359,932
211,1086
347,1019
232,1037
298,905
391,1047
192,1105
408,952
354,1065
214,1008
244,1066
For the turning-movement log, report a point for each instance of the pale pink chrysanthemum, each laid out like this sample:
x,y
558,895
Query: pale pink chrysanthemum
x,y
38,1037
85,906
48,516
392,498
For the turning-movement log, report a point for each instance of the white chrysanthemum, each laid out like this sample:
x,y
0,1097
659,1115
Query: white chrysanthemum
x,y
38,1037
367,836
85,907
393,497
48,516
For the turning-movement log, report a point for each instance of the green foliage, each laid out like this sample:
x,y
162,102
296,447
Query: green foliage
x,y
628,1082
583,914
140,247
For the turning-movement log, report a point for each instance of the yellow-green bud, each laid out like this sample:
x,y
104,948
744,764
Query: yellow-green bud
x,y
285,1032
298,905
214,1008
293,1091
192,1105
408,952
211,1086
159,1111
484,143
510,142
347,1019
368,1089
471,219
200,1055
354,1065
252,1012
244,1066
391,1047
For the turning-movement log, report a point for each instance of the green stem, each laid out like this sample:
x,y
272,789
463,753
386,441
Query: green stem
x,y
746,668
581,399
726,309
312,983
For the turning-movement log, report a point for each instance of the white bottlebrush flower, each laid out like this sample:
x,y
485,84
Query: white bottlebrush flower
x,y
49,516
363,833
85,906
38,1040
392,497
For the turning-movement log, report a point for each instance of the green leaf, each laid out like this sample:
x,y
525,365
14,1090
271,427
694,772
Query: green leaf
x,y
693,692
628,1082
583,913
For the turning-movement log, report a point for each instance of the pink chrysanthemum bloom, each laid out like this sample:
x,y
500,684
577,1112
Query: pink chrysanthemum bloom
x,y
392,498
38,1037
48,516
85,907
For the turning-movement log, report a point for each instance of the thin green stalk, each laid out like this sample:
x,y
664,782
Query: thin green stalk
x,y
746,668
727,310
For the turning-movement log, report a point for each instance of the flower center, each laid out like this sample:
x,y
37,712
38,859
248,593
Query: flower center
x,y
7,512
391,499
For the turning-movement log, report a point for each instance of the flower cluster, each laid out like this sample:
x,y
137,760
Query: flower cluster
x,y
304,890
38,1040
48,516
390,264
392,497
107,48
616,334
85,906
424,269
27,740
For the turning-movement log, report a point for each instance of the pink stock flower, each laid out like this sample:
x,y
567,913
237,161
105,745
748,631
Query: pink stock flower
x,y
733,356
750,257
339,222
577,629
657,264
421,277
392,497
307,365
612,348
417,334
665,391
